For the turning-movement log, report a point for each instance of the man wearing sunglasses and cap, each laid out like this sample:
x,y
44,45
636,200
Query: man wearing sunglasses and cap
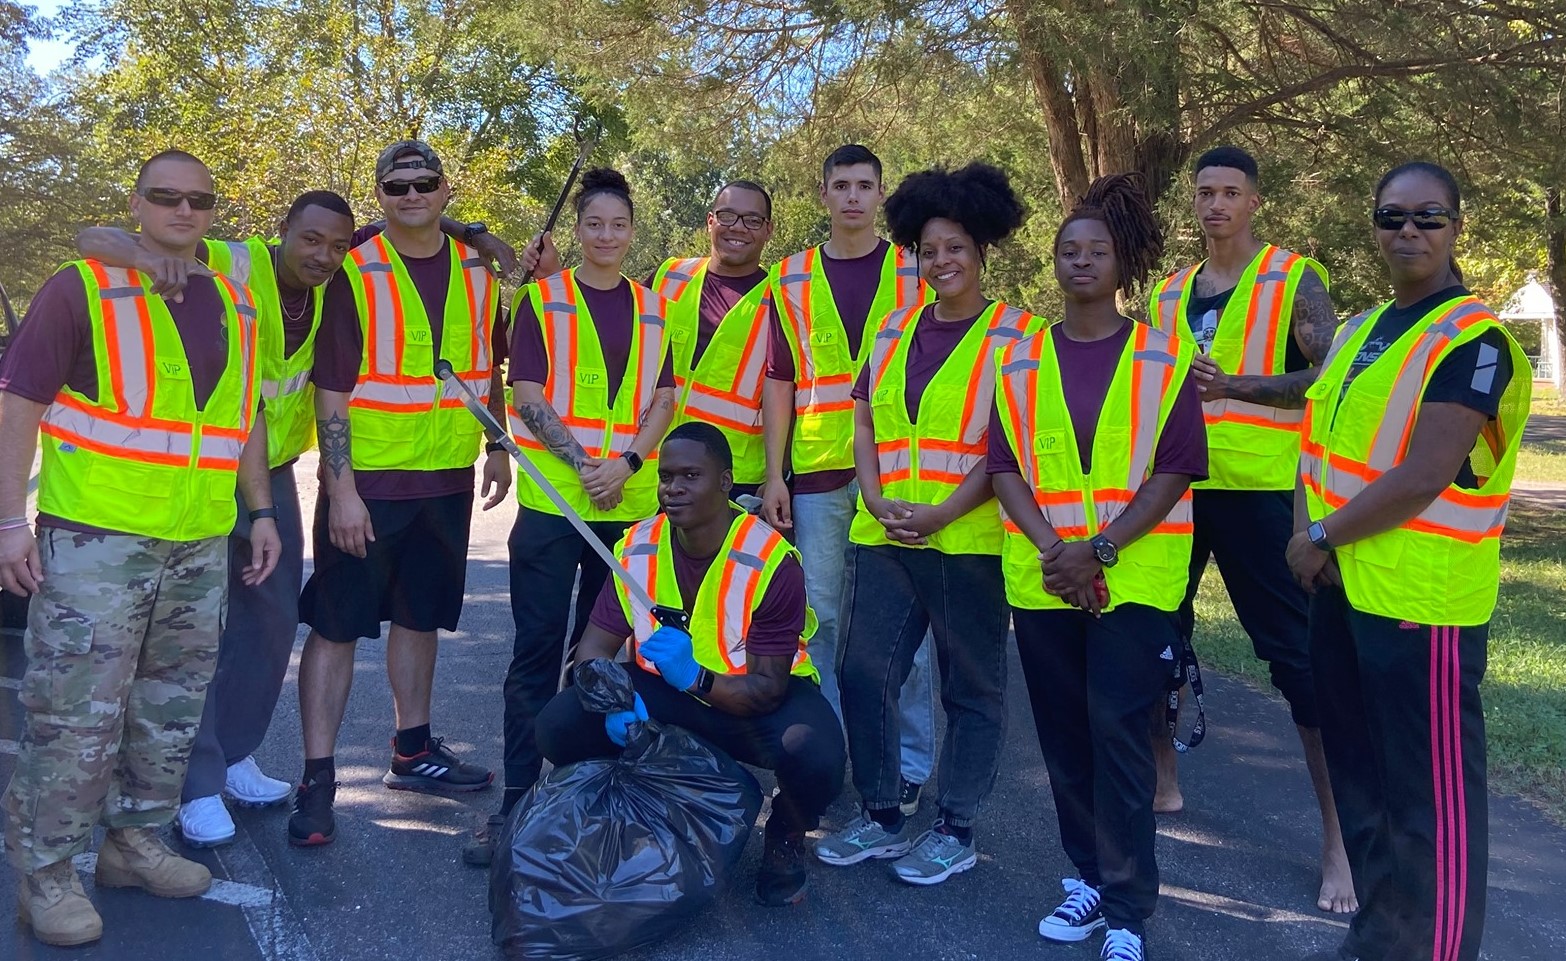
x,y
150,416
397,453
1263,324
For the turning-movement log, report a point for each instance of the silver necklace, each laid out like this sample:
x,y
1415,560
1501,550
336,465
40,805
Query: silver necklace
x,y
283,304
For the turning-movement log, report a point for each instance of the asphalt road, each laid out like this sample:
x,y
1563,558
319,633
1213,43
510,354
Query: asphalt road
x,y
1238,866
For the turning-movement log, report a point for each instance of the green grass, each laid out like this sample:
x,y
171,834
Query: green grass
x,y
1547,400
1542,462
1525,688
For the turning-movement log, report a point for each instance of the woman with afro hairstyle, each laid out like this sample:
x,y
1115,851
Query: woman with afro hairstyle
x,y
594,393
1096,438
927,536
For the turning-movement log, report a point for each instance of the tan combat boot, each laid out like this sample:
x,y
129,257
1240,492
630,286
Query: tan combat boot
x,y
138,858
54,905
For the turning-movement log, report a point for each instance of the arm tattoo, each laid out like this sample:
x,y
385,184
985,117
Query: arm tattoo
x,y
545,424
333,436
1315,320
1315,323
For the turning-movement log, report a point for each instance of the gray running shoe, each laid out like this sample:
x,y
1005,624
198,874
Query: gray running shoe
x,y
862,840
935,858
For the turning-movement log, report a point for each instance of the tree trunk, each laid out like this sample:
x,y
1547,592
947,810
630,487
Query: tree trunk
x,y
1555,250
1060,115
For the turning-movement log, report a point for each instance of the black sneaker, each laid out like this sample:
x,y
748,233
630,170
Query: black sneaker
x,y
783,877
435,769
480,849
908,798
312,823
1077,917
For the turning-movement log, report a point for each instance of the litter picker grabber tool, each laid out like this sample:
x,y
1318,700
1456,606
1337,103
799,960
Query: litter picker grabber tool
x,y
584,149
668,616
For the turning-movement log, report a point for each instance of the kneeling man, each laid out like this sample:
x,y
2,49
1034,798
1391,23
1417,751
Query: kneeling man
x,y
741,678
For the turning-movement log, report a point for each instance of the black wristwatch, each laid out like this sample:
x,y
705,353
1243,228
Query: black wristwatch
x,y
473,230
703,685
634,459
494,447
1105,550
256,515
1317,532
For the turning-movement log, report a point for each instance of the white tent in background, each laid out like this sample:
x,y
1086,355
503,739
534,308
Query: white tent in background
x,y
1532,303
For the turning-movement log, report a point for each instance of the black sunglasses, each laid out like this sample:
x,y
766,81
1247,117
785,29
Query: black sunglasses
x,y
399,188
169,197
1430,218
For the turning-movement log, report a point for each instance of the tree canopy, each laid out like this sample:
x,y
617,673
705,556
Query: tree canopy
x,y
280,96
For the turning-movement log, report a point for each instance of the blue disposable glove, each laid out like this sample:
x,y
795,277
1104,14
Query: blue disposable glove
x,y
669,649
618,723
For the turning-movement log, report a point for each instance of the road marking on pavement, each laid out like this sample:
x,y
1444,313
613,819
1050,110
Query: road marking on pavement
x,y
273,925
222,891
13,683
9,747
1245,910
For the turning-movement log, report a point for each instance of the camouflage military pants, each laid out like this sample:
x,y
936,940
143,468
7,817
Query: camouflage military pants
x,y
121,644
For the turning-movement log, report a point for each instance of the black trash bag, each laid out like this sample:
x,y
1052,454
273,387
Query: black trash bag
x,y
617,853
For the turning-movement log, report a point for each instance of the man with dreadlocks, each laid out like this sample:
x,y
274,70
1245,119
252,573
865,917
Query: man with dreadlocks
x,y
927,536
1096,438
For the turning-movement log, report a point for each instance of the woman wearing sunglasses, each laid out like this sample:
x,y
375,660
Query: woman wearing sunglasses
x,y
593,395
1410,439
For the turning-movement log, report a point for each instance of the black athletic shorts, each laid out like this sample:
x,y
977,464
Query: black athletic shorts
x,y
413,574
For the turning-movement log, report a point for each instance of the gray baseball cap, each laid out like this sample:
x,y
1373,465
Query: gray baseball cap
x,y
426,158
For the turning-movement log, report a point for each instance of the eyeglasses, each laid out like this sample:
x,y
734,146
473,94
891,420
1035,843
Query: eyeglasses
x,y
1430,218
169,197
399,188
729,218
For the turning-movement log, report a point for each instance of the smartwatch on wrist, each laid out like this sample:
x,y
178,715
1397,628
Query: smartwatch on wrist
x,y
1317,532
633,459
494,447
256,515
703,685
471,231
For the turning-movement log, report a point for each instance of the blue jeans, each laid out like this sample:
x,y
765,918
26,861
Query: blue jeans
x,y
821,523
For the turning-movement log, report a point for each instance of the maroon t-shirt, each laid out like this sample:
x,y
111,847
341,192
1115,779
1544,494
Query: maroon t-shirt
x,y
54,348
719,295
774,628
339,350
1086,369
613,318
933,341
854,281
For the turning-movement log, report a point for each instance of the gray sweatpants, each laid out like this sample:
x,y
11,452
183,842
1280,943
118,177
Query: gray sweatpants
x,y
253,654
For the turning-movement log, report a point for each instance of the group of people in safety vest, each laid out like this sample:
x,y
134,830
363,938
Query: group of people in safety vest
x,y
833,467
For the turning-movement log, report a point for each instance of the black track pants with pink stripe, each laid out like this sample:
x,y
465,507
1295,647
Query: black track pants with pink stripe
x,y
1404,736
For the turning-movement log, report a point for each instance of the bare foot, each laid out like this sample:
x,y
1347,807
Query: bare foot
x,y
1168,802
1337,885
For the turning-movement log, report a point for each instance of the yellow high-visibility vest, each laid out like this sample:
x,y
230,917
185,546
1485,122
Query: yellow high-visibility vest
x,y
401,415
577,387
1153,367
1250,446
285,381
1442,566
723,388
727,599
824,368
140,457
925,461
